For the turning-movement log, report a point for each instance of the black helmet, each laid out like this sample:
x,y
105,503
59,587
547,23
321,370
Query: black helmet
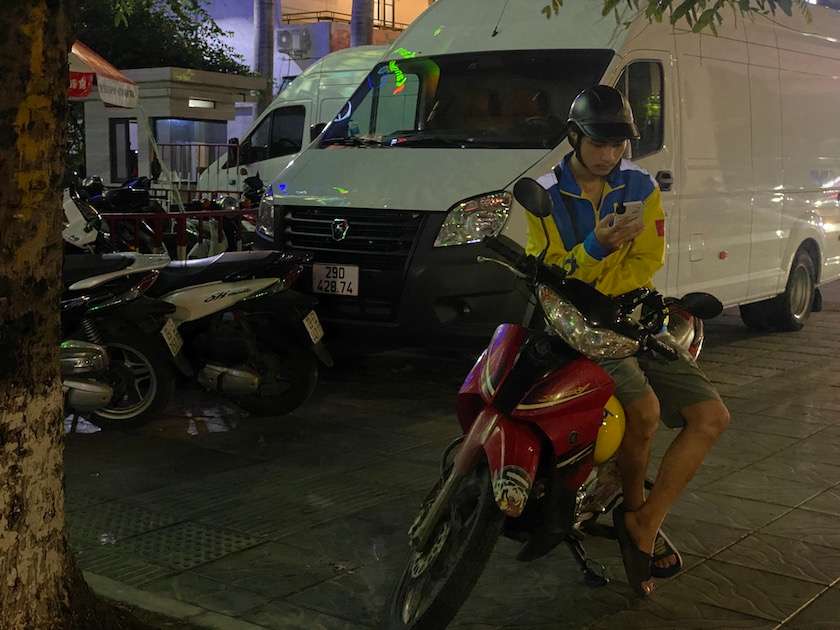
x,y
603,113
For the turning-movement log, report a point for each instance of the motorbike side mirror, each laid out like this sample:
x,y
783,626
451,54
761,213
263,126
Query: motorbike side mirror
x,y
702,305
533,197
316,129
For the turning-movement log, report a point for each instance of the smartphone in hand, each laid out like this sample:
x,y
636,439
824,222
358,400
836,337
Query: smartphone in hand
x,y
629,212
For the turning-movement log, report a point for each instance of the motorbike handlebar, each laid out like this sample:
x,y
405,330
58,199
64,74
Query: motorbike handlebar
x,y
662,348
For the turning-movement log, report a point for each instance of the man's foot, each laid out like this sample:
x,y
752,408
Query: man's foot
x,y
638,561
667,561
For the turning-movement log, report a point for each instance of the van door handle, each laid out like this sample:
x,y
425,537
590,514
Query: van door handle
x,y
665,179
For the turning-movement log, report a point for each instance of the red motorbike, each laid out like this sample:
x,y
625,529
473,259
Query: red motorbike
x,y
539,420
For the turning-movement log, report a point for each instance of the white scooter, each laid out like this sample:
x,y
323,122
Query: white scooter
x,y
229,321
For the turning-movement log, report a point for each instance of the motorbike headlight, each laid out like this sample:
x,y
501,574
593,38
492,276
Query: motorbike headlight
x,y
569,323
473,219
265,216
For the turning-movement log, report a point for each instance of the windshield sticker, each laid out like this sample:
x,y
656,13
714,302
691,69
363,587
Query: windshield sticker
x,y
399,77
345,112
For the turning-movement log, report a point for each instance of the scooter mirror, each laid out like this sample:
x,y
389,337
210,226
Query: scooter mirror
x,y
702,305
533,197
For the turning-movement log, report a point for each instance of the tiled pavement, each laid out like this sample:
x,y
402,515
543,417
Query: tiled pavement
x,y
300,522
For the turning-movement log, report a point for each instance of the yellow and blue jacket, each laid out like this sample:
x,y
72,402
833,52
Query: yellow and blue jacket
x,y
573,245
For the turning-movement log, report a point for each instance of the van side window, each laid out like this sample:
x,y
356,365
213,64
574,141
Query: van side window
x,y
287,130
255,147
642,83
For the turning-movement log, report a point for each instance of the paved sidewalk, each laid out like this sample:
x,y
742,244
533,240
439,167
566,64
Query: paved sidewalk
x,y
300,521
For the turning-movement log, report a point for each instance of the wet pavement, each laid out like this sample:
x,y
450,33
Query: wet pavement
x,y
300,521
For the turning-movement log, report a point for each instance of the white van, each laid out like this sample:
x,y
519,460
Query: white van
x,y
293,119
741,131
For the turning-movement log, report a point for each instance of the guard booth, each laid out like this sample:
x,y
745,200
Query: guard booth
x,y
182,118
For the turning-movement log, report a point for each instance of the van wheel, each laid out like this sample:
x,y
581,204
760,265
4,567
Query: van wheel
x,y
755,315
790,310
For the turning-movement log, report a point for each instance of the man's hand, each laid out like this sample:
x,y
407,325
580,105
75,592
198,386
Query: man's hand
x,y
612,236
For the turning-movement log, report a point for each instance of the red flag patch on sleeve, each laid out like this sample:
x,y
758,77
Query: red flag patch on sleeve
x,y
660,227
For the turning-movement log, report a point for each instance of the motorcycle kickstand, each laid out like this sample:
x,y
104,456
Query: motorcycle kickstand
x,y
594,573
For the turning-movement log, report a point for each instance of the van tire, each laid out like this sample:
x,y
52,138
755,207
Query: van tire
x,y
788,311
754,315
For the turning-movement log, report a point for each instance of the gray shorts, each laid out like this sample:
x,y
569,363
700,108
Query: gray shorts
x,y
677,384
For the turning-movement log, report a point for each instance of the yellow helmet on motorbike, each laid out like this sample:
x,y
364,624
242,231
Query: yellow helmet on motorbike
x,y
611,432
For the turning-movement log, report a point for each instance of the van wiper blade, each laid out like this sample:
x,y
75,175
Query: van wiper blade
x,y
444,142
354,141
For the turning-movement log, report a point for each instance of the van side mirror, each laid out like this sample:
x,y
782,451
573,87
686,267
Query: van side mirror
x,y
533,197
316,129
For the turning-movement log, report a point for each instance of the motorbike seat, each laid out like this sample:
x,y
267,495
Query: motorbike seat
x,y
223,267
79,267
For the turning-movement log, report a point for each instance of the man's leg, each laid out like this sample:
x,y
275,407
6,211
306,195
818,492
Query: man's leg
x,y
642,420
704,422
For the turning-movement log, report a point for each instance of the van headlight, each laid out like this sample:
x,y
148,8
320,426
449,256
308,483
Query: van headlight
x,y
265,216
473,219
569,323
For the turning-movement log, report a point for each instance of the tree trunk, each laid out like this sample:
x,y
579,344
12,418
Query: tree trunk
x,y
40,582
264,48
361,23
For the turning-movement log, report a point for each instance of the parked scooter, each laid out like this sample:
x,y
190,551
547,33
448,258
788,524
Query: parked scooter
x,y
231,323
539,419
100,290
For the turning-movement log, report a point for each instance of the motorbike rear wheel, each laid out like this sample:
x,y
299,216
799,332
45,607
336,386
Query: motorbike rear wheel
x,y
287,379
145,381
438,580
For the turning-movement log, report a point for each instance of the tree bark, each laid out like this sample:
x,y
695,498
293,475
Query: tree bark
x,y
361,23
264,48
38,576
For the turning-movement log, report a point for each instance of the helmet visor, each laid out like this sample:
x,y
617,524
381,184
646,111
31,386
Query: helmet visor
x,y
607,132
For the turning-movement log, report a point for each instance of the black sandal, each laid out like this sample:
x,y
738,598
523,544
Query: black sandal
x,y
662,549
638,565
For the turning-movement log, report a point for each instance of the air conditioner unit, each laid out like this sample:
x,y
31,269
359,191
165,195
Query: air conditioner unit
x,y
305,45
285,41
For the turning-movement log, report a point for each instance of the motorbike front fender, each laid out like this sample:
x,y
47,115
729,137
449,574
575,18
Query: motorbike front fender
x,y
513,454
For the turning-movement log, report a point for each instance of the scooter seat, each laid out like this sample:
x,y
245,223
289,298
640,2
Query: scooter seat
x,y
79,267
228,266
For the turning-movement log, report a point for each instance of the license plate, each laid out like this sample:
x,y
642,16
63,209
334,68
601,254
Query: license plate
x,y
313,327
172,337
335,279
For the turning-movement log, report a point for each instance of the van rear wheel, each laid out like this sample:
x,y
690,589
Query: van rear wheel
x,y
790,310
755,315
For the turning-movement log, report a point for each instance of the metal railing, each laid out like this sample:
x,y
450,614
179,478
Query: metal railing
x,y
189,161
335,16
170,231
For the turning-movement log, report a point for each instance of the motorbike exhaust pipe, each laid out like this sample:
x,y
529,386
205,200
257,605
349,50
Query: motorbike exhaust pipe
x,y
79,357
227,380
86,395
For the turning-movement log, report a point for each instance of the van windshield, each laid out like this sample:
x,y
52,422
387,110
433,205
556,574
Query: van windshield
x,y
507,99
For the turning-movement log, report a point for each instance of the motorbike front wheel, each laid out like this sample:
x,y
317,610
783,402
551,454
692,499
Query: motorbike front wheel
x,y
439,578
287,379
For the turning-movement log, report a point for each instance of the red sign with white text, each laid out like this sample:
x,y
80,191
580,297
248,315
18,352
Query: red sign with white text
x,y
81,83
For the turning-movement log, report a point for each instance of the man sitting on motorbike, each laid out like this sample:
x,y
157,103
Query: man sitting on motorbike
x,y
617,257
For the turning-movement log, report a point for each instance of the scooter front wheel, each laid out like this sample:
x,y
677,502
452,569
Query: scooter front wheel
x,y
439,578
